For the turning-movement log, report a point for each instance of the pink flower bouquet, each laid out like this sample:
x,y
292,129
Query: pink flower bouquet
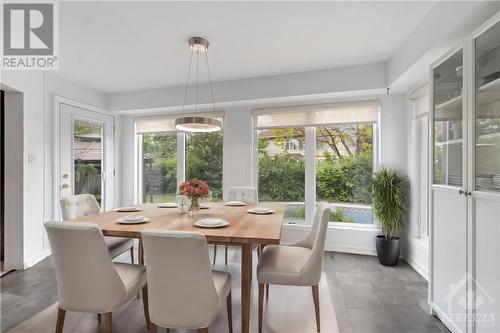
x,y
194,188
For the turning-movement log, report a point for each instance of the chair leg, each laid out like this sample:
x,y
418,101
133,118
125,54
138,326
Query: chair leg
x,y
145,305
132,254
267,292
60,320
108,322
261,305
229,312
225,255
153,328
315,292
203,330
215,253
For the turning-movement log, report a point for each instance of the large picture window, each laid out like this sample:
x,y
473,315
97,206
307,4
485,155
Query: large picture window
x,y
168,157
204,160
282,169
344,168
159,167
326,153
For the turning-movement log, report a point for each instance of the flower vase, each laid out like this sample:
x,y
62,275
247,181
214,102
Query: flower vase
x,y
194,208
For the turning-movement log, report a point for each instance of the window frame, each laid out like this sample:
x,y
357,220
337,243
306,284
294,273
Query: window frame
x,y
310,148
421,112
139,165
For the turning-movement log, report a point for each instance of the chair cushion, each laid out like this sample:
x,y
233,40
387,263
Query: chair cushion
x,y
133,277
118,245
280,264
222,282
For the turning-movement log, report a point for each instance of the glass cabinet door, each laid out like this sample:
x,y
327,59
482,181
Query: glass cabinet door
x,y
487,115
448,135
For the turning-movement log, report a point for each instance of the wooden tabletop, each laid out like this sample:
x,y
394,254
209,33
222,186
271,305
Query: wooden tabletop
x,y
243,227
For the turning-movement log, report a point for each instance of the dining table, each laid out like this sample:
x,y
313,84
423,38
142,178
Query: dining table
x,y
245,230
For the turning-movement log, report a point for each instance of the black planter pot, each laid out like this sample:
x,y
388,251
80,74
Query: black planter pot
x,y
387,250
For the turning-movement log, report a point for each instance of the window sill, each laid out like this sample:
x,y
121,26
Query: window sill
x,y
337,225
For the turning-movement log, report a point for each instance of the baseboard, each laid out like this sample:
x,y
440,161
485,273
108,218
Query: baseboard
x,y
444,319
418,257
421,269
37,258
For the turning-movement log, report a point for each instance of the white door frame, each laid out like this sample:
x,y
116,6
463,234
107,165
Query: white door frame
x,y
58,101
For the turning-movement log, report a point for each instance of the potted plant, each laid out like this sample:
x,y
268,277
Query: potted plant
x,y
389,206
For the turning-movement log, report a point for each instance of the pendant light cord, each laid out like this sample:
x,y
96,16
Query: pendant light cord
x,y
210,81
196,91
187,82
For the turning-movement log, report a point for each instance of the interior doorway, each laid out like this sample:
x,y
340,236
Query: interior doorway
x,y
2,180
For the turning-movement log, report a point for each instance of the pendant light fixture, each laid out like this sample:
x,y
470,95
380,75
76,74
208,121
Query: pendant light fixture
x,y
197,123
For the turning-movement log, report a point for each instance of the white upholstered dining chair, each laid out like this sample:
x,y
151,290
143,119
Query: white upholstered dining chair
x,y
296,265
87,278
184,291
245,194
80,205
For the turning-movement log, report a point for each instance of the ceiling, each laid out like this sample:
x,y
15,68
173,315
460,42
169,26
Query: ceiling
x,y
124,46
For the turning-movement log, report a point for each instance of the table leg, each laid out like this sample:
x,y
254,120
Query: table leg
x,y
141,252
246,286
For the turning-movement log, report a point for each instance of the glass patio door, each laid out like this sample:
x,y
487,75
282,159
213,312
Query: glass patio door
x,y
86,154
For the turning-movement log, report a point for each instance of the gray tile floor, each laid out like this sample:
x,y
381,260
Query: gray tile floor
x,y
368,297
371,298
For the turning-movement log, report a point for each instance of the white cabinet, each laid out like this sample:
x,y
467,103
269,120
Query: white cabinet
x,y
465,183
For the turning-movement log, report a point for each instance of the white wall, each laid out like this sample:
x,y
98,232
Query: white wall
x,y
440,30
261,89
38,89
238,165
394,133
31,84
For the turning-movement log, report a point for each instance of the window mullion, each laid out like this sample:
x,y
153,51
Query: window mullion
x,y
310,173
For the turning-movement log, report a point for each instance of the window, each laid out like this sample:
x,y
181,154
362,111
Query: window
x,y
159,167
281,169
88,157
204,160
419,176
326,153
169,157
344,168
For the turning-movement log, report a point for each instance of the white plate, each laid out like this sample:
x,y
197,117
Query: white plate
x,y
204,206
260,210
235,203
124,221
167,205
128,209
133,218
211,223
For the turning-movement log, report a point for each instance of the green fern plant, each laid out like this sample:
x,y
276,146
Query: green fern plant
x,y
389,201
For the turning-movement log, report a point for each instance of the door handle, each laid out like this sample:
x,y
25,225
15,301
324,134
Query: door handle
x,y
66,186
465,193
